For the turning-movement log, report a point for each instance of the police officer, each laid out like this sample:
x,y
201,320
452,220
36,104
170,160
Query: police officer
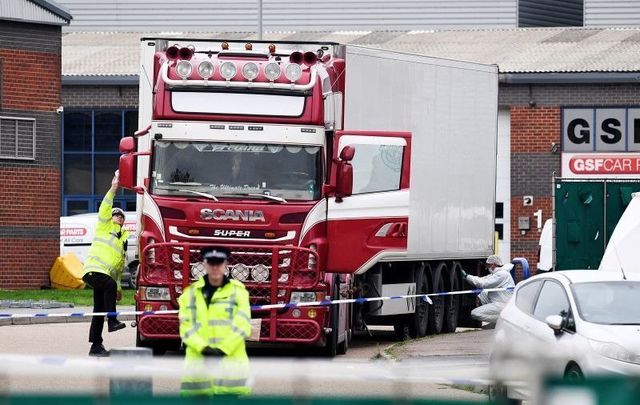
x,y
103,268
215,320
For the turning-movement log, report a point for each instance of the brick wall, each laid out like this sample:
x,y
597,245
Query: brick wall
x,y
100,96
30,199
535,125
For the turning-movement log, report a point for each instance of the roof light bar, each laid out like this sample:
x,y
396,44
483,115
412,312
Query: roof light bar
x,y
164,71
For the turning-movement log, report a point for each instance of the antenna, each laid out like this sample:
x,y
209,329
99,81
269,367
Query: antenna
x,y
613,245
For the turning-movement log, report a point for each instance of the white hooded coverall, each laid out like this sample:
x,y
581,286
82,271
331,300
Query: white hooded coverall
x,y
492,302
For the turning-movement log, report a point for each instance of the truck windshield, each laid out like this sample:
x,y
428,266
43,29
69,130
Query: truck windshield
x,y
237,170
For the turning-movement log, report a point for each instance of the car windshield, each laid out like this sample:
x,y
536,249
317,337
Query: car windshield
x,y
613,303
237,170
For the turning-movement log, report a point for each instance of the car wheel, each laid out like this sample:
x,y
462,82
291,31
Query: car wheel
x,y
573,373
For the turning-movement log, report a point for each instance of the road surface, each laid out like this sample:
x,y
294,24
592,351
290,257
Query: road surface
x,y
355,374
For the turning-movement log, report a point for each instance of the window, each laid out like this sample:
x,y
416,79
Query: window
x,y
376,168
78,130
17,138
91,141
551,301
526,295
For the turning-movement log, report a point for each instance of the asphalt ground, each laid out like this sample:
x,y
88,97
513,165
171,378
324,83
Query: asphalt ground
x,y
442,356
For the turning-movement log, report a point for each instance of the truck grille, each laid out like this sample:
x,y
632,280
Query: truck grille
x,y
268,272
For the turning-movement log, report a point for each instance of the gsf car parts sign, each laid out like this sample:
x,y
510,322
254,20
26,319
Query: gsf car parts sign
x,y
601,142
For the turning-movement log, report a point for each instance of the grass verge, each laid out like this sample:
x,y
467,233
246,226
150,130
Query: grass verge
x,y
77,297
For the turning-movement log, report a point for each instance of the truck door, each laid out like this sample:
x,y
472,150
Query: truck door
x,y
373,218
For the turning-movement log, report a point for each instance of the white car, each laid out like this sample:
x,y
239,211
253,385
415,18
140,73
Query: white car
x,y
573,323
77,233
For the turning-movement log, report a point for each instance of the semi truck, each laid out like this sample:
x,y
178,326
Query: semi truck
x,y
331,171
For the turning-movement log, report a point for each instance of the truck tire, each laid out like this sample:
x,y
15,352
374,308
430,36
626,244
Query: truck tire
x,y
133,270
331,348
400,329
452,302
418,321
343,346
437,309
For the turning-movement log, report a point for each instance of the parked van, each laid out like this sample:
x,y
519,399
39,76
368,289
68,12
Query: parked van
x,y
77,233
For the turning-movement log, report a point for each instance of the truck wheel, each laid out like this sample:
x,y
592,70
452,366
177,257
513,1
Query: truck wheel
x,y
133,270
400,330
418,321
452,302
343,347
331,348
437,309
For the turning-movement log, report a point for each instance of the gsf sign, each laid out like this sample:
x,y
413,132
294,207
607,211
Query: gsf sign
x,y
600,129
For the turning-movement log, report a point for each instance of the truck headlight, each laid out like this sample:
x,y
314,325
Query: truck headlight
x,y
614,351
293,72
206,69
155,293
228,70
184,69
260,273
302,296
272,71
240,272
250,71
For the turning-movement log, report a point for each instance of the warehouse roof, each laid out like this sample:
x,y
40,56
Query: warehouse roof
x,y
35,11
515,51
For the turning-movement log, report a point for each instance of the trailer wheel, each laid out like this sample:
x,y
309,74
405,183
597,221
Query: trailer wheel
x,y
452,301
437,309
419,320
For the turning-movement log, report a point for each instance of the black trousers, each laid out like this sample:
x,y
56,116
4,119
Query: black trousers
x,y
104,300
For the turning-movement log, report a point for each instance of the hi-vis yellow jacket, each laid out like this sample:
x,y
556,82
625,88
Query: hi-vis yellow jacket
x,y
107,254
223,325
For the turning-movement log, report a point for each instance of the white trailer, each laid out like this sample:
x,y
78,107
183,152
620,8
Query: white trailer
x,y
450,108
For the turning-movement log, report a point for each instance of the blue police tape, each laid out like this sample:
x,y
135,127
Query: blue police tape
x,y
425,297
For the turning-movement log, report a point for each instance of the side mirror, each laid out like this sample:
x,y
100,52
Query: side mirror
x,y
344,173
127,144
128,170
347,153
555,322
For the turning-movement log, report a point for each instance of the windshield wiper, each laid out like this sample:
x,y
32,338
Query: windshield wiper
x,y
201,194
267,196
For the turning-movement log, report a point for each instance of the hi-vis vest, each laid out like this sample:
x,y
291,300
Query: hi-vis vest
x,y
106,254
224,325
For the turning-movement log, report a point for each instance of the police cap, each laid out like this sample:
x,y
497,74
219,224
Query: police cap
x,y
215,254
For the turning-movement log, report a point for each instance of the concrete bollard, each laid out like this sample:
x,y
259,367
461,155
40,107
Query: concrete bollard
x,y
127,385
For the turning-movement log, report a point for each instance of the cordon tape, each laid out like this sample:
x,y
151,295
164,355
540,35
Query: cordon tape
x,y
425,297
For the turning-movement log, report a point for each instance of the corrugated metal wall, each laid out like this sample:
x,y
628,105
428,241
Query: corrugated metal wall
x,y
600,13
550,13
287,15
22,10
